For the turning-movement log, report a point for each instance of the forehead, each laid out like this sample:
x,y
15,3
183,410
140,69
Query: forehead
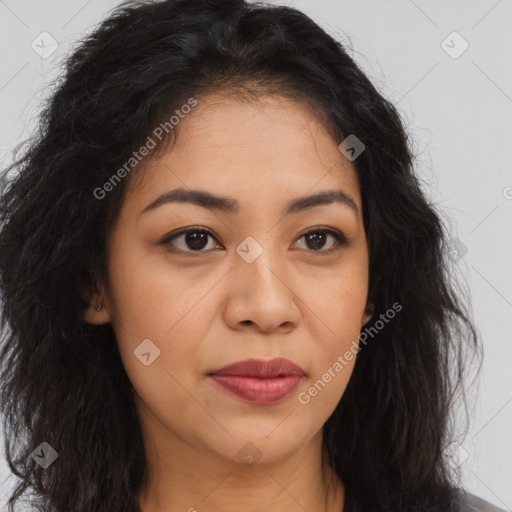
x,y
271,121
271,143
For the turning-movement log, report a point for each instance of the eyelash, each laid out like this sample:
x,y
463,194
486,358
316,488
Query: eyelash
x,y
341,241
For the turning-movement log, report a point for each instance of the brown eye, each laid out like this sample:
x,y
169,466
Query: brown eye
x,y
196,241
191,240
317,239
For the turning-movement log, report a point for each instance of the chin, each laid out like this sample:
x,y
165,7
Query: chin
x,y
262,446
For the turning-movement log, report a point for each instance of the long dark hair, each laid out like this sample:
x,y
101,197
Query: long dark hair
x,y
63,381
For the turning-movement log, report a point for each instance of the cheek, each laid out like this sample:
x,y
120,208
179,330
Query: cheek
x,y
337,309
171,318
150,304
149,297
345,315
334,350
339,303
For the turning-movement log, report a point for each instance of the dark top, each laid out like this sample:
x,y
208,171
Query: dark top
x,y
464,502
472,503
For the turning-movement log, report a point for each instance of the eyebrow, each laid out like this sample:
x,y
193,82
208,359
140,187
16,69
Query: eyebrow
x,y
232,206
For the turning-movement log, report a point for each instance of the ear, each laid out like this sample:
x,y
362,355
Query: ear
x,y
95,295
368,314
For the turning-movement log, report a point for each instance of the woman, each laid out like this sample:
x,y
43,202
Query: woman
x,y
222,284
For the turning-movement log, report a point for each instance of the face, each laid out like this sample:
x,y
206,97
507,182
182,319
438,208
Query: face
x,y
207,287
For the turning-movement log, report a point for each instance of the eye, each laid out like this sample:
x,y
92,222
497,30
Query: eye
x,y
195,240
192,238
316,238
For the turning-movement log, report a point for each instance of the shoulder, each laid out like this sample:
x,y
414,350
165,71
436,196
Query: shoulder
x,y
470,503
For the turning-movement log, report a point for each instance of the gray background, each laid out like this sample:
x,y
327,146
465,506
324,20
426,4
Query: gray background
x,y
458,112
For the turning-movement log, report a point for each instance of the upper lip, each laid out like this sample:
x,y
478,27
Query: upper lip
x,y
276,367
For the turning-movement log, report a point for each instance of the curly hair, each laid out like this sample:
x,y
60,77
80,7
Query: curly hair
x,y
63,381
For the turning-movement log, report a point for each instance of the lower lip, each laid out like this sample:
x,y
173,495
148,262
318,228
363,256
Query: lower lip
x,y
258,391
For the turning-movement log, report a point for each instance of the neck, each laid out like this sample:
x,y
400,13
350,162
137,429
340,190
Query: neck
x,y
194,481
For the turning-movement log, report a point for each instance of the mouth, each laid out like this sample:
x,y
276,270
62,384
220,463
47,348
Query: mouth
x,y
259,382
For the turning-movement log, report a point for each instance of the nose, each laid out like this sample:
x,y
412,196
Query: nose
x,y
261,296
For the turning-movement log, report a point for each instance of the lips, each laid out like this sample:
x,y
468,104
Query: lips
x,y
258,381
277,367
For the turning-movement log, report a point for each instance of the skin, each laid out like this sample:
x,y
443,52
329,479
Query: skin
x,y
213,308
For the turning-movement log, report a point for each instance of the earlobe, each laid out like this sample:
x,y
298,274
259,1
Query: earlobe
x,y
368,314
96,313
